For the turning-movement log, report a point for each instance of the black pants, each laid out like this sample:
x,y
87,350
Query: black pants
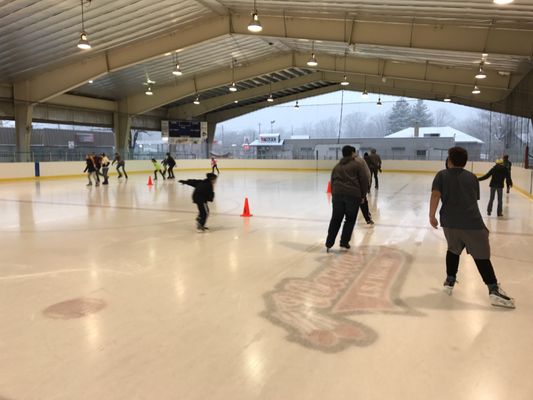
x,y
484,267
203,213
171,172
213,169
493,191
374,172
344,207
365,211
123,170
105,171
155,174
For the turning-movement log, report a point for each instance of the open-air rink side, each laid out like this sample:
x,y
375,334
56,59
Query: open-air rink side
x,y
109,292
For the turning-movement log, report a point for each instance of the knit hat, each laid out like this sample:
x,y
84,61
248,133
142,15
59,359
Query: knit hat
x,y
499,161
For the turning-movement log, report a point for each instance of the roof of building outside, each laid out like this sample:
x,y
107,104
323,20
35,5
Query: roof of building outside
x,y
443,131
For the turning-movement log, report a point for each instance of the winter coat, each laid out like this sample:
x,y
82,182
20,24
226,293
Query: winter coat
x,y
203,190
350,177
498,175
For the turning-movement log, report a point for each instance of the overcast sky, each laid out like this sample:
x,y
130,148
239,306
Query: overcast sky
x,y
315,109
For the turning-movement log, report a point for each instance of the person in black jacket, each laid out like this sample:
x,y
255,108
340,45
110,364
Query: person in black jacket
x,y
203,193
499,174
170,164
508,164
91,170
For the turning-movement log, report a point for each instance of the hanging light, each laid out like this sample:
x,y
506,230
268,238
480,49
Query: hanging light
x,y
503,1
235,101
83,43
364,94
91,81
379,103
345,81
312,61
476,90
149,91
481,74
447,99
177,71
233,88
296,105
270,98
197,100
254,25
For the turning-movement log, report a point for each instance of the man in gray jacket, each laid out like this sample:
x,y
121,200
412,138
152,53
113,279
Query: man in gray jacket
x,y
350,181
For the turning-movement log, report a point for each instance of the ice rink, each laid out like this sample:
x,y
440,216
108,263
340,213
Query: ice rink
x,y
110,293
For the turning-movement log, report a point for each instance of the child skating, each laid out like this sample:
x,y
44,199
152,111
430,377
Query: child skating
x,y
203,193
157,168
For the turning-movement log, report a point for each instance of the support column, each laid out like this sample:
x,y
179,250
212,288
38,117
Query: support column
x,y
211,128
23,118
122,129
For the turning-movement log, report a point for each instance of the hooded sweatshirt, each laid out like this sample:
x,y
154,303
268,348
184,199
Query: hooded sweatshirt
x,y
499,174
350,177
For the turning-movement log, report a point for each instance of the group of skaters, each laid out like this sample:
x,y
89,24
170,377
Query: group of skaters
x,y
454,187
164,167
97,165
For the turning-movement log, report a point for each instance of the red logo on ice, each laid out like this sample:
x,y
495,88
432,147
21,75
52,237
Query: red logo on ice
x,y
315,309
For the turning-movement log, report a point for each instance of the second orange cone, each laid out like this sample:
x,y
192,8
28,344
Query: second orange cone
x,y
150,183
246,210
328,190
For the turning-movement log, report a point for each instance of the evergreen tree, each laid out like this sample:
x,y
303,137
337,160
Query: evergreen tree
x,y
400,117
421,115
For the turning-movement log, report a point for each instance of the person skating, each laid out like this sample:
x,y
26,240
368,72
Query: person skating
x,y
97,160
375,166
91,170
463,226
105,168
508,164
214,165
349,184
157,168
203,193
120,164
499,174
170,163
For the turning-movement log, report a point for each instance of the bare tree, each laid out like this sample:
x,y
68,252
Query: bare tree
x,y
442,117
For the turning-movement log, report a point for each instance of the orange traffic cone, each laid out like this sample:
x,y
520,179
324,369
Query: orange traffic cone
x,y
246,211
150,183
328,190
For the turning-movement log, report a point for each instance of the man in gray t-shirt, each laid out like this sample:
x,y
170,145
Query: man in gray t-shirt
x,y
463,226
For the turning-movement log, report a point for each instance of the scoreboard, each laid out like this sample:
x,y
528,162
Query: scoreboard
x,y
190,129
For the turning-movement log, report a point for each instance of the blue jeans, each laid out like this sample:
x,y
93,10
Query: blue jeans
x,y
493,191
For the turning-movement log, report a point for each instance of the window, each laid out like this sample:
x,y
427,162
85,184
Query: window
x,y
421,153
431,134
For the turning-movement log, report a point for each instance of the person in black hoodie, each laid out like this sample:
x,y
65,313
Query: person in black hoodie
x,y
508,164
170,163
499,174
350,180
203,193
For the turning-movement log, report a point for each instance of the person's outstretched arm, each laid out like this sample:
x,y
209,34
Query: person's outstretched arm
x,y
487,175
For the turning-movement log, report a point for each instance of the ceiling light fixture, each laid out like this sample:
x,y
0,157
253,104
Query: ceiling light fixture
x,y
270,98
312,61
481,73
447,99
254,25
91,81
379,103
233,87
177,71
503,1
345,81
296,105
364,94
83,43
476,90
149,91
197,100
